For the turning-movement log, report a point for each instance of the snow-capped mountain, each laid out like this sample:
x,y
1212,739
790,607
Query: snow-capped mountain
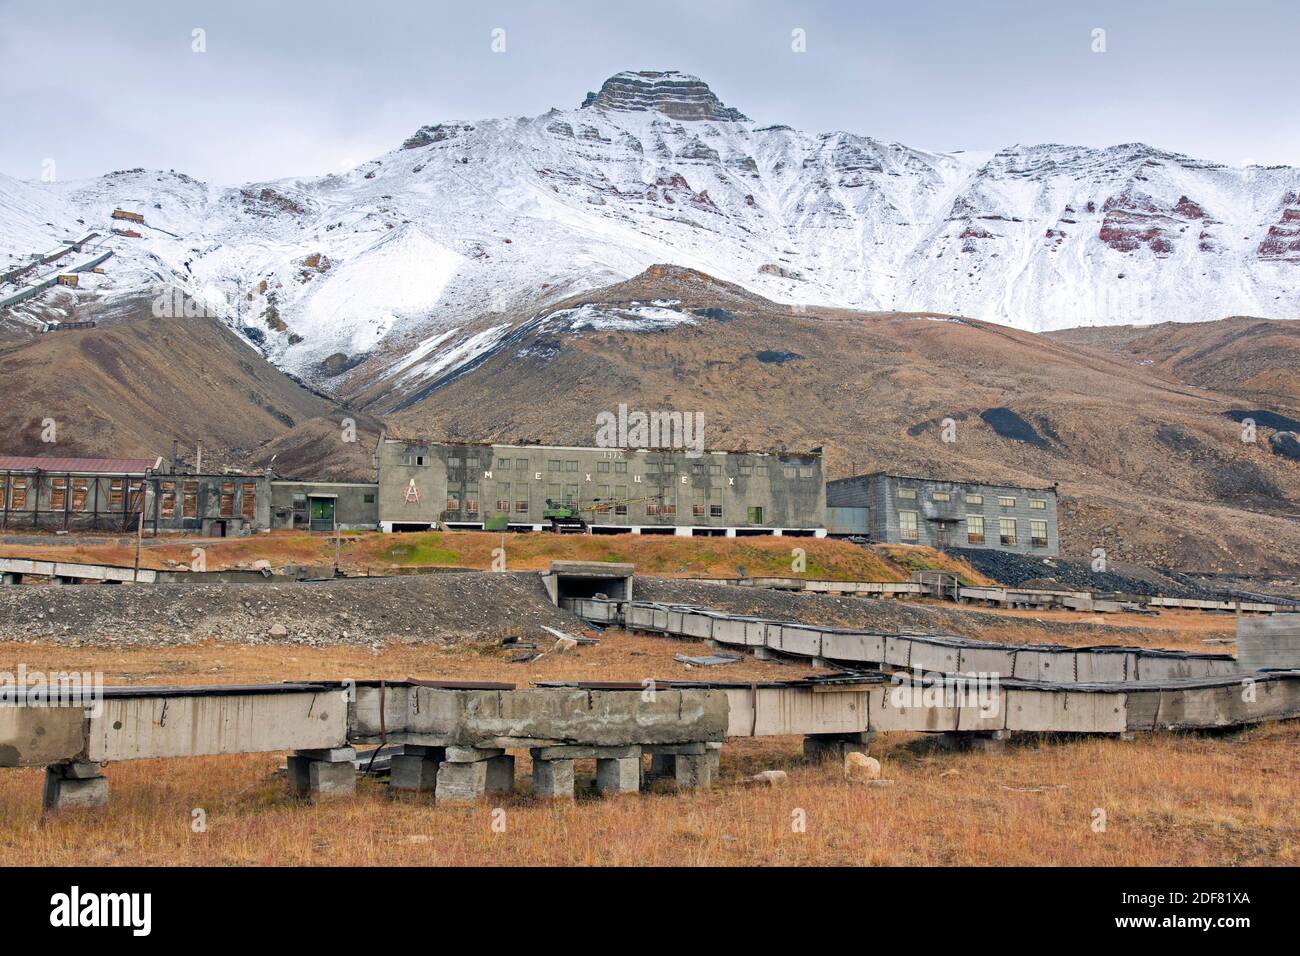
x,y
425,257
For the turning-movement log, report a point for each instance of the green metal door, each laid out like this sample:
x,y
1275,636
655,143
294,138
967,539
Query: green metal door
x,y
322,514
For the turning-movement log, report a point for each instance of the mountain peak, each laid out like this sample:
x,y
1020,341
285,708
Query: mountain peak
x,y
679,96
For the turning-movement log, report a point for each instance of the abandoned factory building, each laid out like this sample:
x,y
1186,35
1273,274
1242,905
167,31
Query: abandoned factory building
x,y
110,494
672,491
901,509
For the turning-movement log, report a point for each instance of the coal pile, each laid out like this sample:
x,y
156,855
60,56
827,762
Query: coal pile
x,y
1021,570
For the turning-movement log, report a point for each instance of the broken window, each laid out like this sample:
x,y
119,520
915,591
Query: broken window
x,y
907,524
79,486
248,501
453,500
521,506
975,529
503,496
620,495
699,508
754,514
228,499
190,502
135,495
471,499
115,498
167,496
1038,533
58,494
20,493
715,511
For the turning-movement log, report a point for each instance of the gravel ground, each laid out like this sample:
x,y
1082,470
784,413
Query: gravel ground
x,y
432,609
869,613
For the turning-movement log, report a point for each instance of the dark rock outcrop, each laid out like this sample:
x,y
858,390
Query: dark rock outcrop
x,y
676,95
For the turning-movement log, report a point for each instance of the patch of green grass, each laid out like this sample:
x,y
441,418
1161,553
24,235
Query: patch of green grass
x,y
420,550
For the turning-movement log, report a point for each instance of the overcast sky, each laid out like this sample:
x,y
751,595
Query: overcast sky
x,y
289,89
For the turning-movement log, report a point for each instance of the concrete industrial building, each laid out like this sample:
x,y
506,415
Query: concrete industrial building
x,y
324,505
903,509
424,484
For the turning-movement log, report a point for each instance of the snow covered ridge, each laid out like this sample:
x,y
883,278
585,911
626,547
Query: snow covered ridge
x,y
470,225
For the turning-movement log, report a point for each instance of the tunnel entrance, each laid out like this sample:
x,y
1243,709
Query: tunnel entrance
x,y
579,580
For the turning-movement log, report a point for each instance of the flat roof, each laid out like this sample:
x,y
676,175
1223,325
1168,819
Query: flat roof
x,y
417,440
950,481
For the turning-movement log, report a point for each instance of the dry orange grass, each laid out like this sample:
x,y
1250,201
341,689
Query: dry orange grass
x,y
652,554
1181,800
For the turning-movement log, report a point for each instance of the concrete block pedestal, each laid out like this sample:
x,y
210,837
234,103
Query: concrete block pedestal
x,y
415,769
465,772
323,774
74,785
553,779
615,775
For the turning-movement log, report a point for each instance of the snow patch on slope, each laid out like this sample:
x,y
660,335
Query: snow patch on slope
x,y
362,300
605,318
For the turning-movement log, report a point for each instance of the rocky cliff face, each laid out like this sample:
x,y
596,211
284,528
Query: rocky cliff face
x,y
678,96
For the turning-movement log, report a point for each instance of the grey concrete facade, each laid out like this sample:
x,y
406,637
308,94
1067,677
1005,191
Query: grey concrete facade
x,y
425,484
324,505
901,509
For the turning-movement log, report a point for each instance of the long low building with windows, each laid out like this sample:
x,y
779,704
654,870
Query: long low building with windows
x,y
902,509
425,484
110,494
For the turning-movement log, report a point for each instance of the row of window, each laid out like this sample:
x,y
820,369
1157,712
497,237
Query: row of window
x,y
570,466
123,495
1004,501
908,529
611,499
